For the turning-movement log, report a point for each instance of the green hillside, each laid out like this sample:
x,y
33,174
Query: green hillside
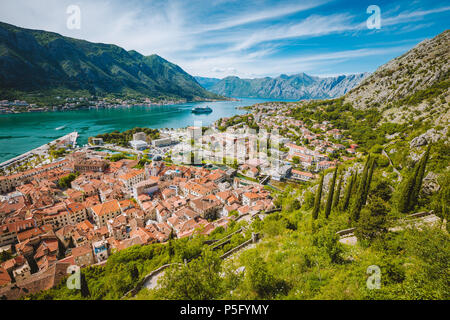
x,y
38,63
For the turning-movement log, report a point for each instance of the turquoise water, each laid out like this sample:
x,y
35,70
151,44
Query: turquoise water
x,y
20,133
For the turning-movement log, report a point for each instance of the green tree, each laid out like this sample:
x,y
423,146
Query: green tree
x,y
359,200
355,183
419,178
117,157
369,181
5,256
337,193
348,192
134,272
383,190
331,187
308,200
296,205
65,182
317,199
440,201
407,190
372,224
198,280
259,279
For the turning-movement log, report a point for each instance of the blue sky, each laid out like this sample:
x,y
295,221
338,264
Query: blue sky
x,y
252,38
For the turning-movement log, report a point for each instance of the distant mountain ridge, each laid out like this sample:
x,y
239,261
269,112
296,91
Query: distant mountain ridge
x,y
36,61
298,86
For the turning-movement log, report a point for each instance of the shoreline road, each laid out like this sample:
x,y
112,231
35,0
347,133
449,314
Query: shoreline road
x,y
72,140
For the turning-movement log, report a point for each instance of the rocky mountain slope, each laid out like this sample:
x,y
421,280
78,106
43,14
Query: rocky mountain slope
x,y
411,86
299,86
36,61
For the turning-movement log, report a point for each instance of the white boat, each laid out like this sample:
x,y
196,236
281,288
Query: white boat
x,y
205,109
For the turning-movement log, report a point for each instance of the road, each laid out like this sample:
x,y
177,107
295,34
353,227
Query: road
x,y
41,151
384,153
152,283
430,220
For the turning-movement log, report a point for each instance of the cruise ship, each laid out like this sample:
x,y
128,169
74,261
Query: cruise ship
x,y
205,109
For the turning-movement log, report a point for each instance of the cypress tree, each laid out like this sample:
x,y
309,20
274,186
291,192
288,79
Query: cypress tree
x,y
369,180
348,192
357,206
330,193
419,178
406,191
337,193
316,209
354,184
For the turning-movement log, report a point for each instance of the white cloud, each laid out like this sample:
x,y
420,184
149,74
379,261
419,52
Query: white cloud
x,y
405,16
248,67
312,26
258,16
241,43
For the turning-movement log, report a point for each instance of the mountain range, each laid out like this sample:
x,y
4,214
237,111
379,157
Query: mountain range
x,y
298,86
34,61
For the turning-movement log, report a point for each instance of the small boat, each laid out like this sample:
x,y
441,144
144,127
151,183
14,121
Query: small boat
x,y
205,109
60,128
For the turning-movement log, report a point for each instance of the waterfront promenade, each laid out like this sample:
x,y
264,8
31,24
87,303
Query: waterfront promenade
x,y
70,141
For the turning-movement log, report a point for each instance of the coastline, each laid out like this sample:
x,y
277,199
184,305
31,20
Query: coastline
x,y
72,140
21,132
29,108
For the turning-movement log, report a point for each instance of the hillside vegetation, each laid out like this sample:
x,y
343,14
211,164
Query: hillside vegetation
x,y
37,63
413,86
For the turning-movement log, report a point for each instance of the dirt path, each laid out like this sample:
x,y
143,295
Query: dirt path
x,y
430,220
384,153
152,283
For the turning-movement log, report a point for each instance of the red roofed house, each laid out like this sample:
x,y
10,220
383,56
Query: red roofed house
x,y
5,279
323,165
83,255
105,211
132,178
46,254
250,198
207,206
18,267
302,175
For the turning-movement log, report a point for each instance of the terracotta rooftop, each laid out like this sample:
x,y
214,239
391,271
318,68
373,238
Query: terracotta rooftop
x,y
106,208
40,281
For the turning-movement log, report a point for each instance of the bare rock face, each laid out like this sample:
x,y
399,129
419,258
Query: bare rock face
x,y
326,181
418,142
431,136
395,88
392,136
430,184
415,157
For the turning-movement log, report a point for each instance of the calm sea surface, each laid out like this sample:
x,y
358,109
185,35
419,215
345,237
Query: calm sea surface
x,y
25,131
